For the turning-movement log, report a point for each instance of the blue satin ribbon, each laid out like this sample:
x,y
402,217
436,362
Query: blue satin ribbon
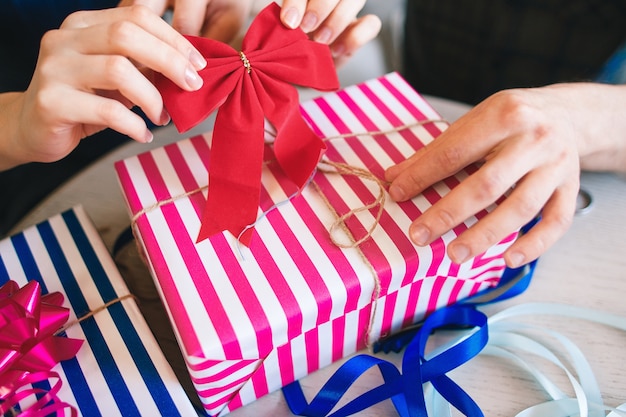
x,y
406,388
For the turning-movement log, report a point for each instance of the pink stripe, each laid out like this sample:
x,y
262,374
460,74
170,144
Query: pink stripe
x,y
433,297
245,294
395,121
456,289
217,391
221,374
304,264
338,328
431,127
388,312
217,405
412,303
364,323
318,288
235,402
166,281
129,187
371,249
397,235
285,360
312,343
259,382
192,263
280,287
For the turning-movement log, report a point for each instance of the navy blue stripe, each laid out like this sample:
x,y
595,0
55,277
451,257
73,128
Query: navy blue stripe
x,y
31,271
4,274
74,374
140,355
27,260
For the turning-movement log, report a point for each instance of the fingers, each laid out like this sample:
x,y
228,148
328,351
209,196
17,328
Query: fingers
x,y
224,19
325,20
189,16
139,34
100,111
556,218
357,34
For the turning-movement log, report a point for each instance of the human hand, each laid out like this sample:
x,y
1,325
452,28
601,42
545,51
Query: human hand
x,y
333,22
216,19
530,142
89,73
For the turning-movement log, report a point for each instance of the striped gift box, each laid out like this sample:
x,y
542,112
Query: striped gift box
x,y
120,370
250,320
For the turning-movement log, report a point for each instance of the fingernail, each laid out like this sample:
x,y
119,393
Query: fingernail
x,y
420,235
148,137
516,259
165,117
308,22
459,253
291,17
323,36
338,50
193,79
396,193
197,60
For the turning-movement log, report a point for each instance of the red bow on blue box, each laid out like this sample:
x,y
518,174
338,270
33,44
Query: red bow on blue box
x,y
249,86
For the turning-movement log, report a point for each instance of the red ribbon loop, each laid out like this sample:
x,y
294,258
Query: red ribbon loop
x,y
249,86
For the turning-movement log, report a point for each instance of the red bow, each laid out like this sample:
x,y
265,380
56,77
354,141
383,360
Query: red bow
x,y
251,85
28,347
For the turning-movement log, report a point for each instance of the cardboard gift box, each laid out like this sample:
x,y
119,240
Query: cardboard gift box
x,y
119,369
252,319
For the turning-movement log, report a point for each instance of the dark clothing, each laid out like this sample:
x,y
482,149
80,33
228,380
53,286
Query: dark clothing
x,y
22,24
469,49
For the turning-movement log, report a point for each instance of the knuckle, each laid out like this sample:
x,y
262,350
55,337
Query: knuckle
x,y
490,186
116,68
110,111
121,33
451,157
139,13
527,207
445,218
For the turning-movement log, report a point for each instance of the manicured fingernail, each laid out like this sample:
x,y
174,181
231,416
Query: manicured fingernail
x,y
458,253
420,235
292,17
194,81
197,60
308,22
323,36
516,259
165,117
396,193
148,137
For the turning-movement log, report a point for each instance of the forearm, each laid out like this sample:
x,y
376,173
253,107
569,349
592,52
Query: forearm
x,y
11,153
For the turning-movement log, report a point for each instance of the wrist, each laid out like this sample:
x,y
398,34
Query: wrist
x,y
11,152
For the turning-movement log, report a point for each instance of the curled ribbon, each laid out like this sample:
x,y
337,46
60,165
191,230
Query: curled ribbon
x,y
249,86
29,348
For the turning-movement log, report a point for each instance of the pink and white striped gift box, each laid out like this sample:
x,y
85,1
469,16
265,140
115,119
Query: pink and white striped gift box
x,y
251,320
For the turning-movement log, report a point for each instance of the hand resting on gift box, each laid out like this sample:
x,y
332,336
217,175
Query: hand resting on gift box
x,y
531,142
334,22
90,73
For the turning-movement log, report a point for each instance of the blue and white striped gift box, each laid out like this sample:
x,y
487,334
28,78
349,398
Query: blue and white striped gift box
x,y
120,370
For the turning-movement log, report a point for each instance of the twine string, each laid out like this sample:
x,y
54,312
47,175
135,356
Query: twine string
x,y
94,312
340,220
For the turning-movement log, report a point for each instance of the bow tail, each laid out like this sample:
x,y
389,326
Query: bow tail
x,y
235,166
297,148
